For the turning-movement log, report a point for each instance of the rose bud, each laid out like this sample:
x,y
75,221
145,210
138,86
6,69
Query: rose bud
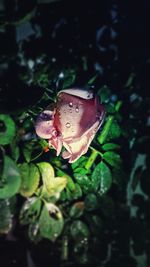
x,y
72,123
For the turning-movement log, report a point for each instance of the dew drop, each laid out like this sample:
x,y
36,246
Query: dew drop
x,y
70,104
68,124
77,109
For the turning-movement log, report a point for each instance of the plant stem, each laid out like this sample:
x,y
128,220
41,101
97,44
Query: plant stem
x,y
92,158
103,135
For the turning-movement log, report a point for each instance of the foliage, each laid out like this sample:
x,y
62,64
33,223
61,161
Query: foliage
x,y
94,212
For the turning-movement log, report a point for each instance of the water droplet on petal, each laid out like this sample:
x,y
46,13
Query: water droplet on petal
x,y
77,109
68,124
70,104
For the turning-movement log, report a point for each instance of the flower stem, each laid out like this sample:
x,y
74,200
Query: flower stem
x,y
104,133
92,158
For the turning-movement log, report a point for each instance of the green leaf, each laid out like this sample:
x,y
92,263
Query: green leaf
x,y
91,202
7,129
101,178
51,222
77,209
30,178
32,150
115,131
53,185
70,182
110,146
79,230
84,181
5,217
79,163
112,158
10,180
81,170
47,171
77,193
30,211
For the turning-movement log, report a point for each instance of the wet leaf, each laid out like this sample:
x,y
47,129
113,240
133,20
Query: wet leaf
x,y
7,129
30,178
30,211
70,183
51,222
53,185
112,158
101,178
10,180
84,181
79,230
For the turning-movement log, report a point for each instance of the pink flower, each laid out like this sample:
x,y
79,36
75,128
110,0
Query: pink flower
x,y
72,123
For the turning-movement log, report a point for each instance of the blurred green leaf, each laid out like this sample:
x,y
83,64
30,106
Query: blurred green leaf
x,y
115,131
104,94
51,222
110,146
30,178
10,180
30,211
7,129
112,158
77,193
31,150
91,202
79,230
101,178
5,217
77,209
69,78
